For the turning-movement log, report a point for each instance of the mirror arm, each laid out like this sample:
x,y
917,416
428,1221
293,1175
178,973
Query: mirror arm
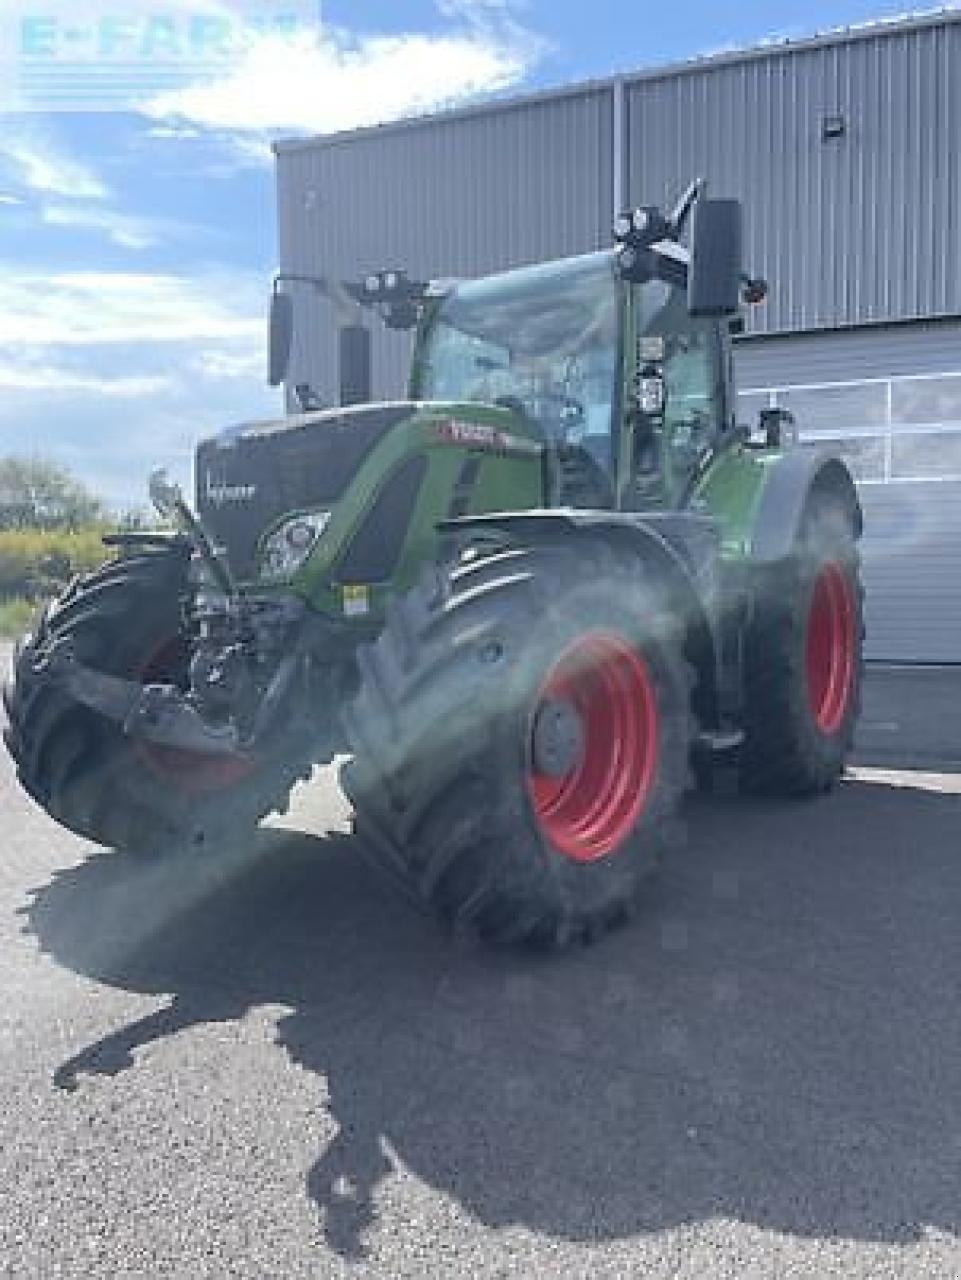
x,y
679,214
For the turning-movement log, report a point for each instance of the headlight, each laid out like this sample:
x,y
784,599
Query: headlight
x,y
641,219
286,549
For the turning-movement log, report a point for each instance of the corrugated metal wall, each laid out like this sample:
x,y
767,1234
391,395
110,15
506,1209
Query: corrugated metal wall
x,y
457,195
880,352
912,550
849,230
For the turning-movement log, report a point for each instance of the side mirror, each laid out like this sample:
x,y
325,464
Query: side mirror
x,y
714,275
280,336
355,379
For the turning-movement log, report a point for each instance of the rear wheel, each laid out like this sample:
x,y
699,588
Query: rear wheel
x,y
521,738
125,620
803,657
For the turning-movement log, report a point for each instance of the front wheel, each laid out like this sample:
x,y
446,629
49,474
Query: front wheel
x,y
521,738
125,620
803,658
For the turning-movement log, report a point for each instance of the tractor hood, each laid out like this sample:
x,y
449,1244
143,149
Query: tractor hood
x,y
249,476
252,476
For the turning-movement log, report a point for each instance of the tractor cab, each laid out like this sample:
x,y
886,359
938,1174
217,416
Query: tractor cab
x,y
617,362
626,390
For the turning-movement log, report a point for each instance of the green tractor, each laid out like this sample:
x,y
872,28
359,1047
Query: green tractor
x,y
532,603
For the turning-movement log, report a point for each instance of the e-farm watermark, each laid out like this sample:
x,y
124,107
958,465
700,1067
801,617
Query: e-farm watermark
x,y
112,55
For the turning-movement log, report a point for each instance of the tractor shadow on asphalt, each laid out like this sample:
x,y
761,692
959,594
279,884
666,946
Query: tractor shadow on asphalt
x,y
775,1039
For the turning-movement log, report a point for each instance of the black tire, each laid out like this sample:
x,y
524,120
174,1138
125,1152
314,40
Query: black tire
x,y
441,730
125,620
799,725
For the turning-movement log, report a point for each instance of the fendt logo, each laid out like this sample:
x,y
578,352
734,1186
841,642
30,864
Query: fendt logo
x,y
220,492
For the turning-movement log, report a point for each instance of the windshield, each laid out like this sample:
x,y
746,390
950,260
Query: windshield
x,y
542,340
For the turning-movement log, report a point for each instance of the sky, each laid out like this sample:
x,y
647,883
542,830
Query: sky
x,y
137,240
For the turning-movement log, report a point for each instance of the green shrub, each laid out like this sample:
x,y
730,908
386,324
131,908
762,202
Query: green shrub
x,y
36,564
15,616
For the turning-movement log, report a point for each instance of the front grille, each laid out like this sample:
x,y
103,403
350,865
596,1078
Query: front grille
x,y
250,477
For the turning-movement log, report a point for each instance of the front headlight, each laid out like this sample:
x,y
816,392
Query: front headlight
x,y
288,546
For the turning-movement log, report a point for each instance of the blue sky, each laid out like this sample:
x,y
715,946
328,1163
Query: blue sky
x,y
136,245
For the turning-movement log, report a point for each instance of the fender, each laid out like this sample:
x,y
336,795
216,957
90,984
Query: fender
x,y
792,480
684,547
149,540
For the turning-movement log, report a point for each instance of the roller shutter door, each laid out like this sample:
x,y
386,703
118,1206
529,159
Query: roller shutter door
x,y
890,398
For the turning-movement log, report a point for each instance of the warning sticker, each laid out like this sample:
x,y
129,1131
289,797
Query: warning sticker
x,y
356,601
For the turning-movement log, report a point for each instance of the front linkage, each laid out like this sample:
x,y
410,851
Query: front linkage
x,y
248,656
156,707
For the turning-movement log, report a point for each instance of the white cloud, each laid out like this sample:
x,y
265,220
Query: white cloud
x,y
42,169
250,150
27,374
333,81
72,195
174,133
114,373
223,364
83,308
126,230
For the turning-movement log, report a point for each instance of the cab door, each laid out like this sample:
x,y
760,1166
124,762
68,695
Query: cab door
x,y
674,395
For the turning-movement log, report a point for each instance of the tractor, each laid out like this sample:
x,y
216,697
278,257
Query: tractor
x,y
531,605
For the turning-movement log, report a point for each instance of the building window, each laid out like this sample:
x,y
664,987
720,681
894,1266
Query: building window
x,y
887,429
836,408
934,401
926,456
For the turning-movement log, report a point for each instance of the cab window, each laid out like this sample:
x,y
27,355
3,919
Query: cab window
x,y
693,384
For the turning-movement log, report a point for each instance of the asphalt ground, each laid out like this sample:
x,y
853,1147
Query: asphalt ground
x,y
911,716
267,1065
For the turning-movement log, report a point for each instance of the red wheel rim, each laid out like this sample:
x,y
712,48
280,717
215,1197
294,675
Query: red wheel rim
x,y
830,648
192,772
588,810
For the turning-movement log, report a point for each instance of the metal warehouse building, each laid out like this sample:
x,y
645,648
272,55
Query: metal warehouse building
x,y
846,151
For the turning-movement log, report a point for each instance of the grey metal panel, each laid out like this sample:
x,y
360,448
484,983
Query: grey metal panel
x,y
859,229
873,352
447,114
457,196
287,232
912,571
